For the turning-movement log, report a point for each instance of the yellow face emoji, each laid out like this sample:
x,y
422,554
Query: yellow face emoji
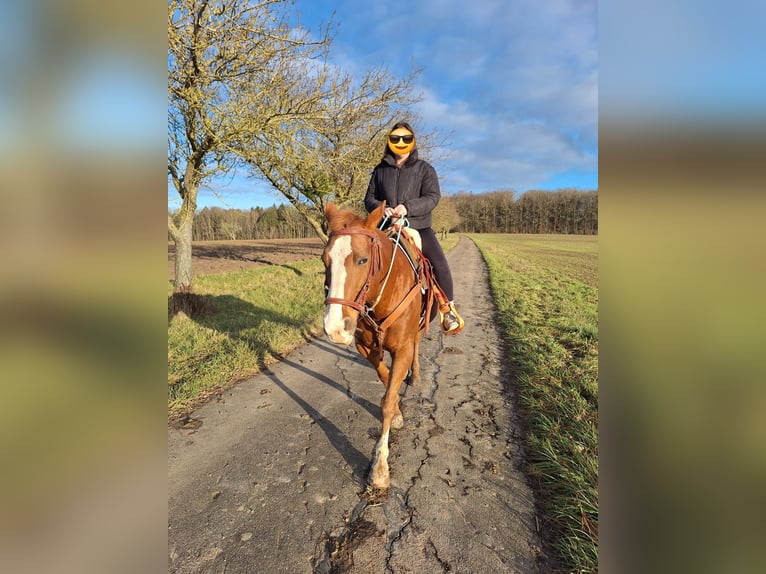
x,y
401,141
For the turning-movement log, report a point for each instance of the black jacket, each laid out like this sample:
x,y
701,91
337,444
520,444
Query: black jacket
x,y
414,185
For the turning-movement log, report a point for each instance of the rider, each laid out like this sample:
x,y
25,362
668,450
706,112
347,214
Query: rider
x,y
412,187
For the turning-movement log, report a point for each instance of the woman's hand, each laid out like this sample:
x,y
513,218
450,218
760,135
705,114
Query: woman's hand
x,y
398,211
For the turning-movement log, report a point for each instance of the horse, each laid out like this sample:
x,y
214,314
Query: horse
x,y
376,298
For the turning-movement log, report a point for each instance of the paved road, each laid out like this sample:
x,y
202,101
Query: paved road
x,y
273,481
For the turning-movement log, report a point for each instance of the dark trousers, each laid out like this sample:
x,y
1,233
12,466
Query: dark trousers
x,y
435,254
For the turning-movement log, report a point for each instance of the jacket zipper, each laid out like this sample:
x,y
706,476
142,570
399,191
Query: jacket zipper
x,y
396,187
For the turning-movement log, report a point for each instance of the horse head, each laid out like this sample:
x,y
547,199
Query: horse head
x,y
351,259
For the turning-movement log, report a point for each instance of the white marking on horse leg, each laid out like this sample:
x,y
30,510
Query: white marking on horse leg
x,y
379,477
334,325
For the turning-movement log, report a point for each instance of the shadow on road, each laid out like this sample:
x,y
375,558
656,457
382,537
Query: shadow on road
x,y
371,408
241,321
355,459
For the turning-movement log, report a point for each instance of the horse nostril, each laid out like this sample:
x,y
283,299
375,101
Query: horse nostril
x,y
347,324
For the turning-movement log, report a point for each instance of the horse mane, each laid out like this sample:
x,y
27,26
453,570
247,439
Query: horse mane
x,y
344,219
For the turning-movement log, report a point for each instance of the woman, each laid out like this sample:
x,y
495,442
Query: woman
x,y
411,186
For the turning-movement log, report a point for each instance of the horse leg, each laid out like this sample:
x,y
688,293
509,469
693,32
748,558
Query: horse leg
x,y
376,361
415,368
379,476
384,374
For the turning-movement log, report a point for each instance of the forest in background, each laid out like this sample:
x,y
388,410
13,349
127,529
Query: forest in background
x,y
566,211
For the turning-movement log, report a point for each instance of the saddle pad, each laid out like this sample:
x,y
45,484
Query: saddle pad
x,y
415,236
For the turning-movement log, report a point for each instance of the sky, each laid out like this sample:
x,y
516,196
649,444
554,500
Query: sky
x,y
512,84
517,85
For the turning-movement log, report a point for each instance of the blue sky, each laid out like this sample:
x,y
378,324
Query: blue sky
x,y
512,83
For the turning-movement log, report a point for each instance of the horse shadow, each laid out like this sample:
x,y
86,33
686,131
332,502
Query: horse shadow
x,y
241,321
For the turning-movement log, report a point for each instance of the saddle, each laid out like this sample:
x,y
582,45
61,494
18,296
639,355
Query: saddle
x,y
411,244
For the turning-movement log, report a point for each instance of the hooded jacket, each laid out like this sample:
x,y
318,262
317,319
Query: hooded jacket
x,y
415,185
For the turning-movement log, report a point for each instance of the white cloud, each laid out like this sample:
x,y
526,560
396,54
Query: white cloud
x,y
457,116
513,155
515,82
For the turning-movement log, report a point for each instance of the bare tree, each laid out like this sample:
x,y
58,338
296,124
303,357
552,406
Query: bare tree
x,y
233,76
445,216
329,155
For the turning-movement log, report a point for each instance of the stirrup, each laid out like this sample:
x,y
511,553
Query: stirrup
x,y
460,322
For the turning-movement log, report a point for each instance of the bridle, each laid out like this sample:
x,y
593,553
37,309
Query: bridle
x,y
359,303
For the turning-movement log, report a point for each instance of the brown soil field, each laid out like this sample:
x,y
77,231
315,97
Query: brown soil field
x,y
210,257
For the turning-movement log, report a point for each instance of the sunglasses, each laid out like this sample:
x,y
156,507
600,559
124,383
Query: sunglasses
x,y
395,138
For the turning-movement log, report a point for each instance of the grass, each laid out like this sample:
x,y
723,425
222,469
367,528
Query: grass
x,y
449,241
258,315
546,293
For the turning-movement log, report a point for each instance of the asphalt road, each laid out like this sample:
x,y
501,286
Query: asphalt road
x,y
273,481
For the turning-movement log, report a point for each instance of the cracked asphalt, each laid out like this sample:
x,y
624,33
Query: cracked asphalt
x,y
273,479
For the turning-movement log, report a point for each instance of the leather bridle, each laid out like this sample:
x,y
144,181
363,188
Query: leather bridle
x,y
359,303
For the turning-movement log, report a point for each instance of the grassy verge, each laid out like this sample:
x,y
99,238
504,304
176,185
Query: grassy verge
x,y
449,241
257,315
545,289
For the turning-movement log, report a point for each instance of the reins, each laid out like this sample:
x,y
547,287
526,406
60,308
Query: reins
x,y
393,256
359,303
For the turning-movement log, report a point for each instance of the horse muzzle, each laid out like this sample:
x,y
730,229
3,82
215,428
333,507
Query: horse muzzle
x,y
340,330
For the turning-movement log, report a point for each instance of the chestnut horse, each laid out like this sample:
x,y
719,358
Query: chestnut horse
x,y
375,299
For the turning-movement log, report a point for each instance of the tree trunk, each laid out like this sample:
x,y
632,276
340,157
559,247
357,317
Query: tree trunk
x,y
183,300
317,227
183,264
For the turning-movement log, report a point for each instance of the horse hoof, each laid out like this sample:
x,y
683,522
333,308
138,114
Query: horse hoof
x,y
380,482
397,422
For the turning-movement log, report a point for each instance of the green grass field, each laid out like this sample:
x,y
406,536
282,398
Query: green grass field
x,y
249,329
546,292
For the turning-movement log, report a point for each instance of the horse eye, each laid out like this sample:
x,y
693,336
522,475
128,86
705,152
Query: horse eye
x,y
361,261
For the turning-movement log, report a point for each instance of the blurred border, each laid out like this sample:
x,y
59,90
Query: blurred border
x,y
83,283
682,143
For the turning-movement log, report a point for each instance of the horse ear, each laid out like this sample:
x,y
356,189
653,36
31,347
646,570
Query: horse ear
x,y
375,216
330,210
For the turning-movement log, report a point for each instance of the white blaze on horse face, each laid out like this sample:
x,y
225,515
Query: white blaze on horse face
x,y
334,325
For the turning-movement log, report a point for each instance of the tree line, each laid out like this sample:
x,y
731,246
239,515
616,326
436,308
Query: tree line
x,y
275,222
564,211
